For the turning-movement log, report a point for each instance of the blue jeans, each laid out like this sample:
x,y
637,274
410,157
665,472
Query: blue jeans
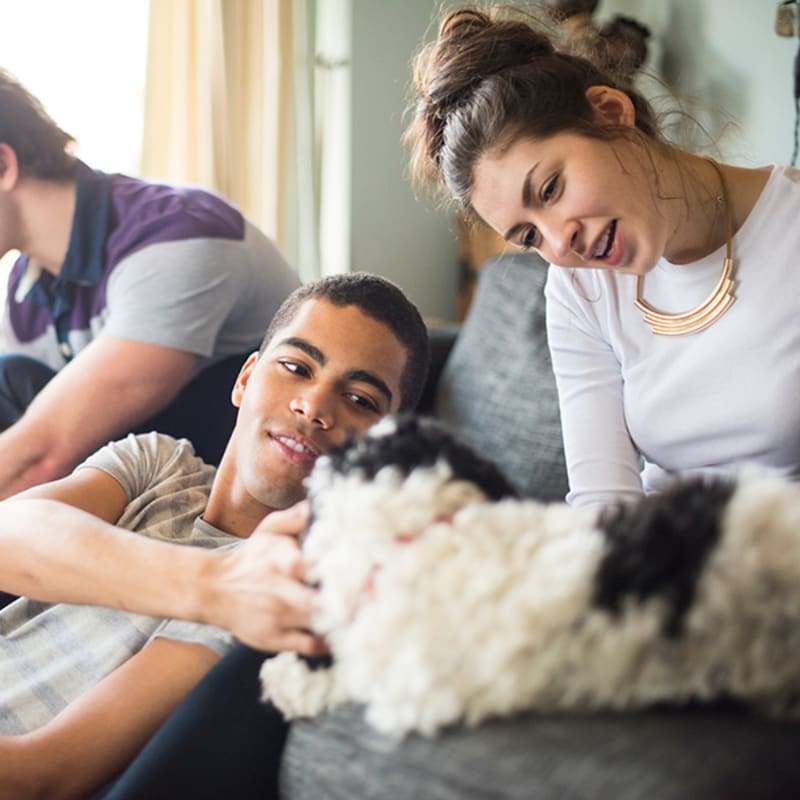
x,y
222,741
202,412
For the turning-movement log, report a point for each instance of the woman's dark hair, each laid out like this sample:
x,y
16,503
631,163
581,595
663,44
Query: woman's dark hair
x,y
40,145
491,75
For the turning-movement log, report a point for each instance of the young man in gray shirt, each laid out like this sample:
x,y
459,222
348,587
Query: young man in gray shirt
x,y
83,687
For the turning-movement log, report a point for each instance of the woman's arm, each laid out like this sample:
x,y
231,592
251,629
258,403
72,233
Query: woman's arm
x,y
602,462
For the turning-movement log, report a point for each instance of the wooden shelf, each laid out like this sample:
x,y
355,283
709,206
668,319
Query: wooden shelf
x,y
477,242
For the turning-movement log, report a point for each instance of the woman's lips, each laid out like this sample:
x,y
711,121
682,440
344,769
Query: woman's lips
x,y
605,243
608,248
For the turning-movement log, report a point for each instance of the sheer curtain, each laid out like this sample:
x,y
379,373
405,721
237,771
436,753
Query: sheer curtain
x,y
238,101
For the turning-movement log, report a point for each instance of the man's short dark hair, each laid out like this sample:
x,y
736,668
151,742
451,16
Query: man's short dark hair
x,y
40,145
380,299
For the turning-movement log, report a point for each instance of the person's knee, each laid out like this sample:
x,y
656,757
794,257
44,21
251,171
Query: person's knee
x,y
21,379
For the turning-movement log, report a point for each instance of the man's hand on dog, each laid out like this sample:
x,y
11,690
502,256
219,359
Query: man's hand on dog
x,y
260,591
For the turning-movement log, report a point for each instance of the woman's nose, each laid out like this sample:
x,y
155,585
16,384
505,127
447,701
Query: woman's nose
x,y
561,238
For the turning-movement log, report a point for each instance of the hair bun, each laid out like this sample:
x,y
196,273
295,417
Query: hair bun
x,y
471,46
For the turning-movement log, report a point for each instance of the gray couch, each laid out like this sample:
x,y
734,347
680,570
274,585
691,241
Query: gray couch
x,y
496,387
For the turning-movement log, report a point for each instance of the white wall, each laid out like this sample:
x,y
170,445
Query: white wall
x,y
726,54
393,233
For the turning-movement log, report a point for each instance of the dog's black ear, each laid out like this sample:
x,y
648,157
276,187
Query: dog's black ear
x,y
406,442
659,545
337,457
467,465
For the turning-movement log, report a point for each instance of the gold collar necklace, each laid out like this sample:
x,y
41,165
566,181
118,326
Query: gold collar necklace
x,y
717,303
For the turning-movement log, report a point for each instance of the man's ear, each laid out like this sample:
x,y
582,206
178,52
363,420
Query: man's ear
x,y
242,379
9,168
611,106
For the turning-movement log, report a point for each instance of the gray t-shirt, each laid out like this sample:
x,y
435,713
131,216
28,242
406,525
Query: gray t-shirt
x,y
52,653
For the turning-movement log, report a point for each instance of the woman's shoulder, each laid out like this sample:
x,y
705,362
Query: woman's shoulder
x,y
775,204
771,180
785,171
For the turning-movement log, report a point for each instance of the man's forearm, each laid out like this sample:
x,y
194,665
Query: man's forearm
x,y
18,776
26,461
52,552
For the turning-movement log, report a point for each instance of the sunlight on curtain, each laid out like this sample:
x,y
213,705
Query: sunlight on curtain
x,y
185,100
333,78
319,191
91,80
216,101
303,196
250,98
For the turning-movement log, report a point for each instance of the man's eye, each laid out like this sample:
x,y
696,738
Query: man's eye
x,y
363,403
294,368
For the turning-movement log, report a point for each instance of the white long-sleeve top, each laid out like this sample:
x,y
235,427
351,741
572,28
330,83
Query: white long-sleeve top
x,y
637,408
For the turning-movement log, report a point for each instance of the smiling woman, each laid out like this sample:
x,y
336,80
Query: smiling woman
x,y
681,273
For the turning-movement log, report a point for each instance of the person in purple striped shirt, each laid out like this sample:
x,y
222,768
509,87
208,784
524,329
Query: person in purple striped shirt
x,y
131,306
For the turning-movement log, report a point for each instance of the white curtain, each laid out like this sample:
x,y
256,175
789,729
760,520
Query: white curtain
x,y
250,98
332,81
320,224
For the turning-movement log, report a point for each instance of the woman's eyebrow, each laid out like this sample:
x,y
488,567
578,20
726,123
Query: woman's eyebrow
x,y
527,186
527,194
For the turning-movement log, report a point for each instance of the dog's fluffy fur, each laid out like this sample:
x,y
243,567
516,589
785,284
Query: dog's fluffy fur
x,y
444,603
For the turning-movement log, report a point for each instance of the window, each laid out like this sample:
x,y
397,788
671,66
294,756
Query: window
x,y
86,62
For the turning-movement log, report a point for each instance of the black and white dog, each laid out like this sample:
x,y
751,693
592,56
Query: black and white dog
x,y
445,599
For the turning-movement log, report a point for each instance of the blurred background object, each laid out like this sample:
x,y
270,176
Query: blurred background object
x,y
618,45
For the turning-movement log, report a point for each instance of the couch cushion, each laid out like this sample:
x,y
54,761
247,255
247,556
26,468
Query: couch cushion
x,y
691,754
497,389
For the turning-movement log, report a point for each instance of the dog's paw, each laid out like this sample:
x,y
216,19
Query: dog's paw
x,y
288,683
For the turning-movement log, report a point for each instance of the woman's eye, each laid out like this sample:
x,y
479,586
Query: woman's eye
x,y
549,189
528,239
294,368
